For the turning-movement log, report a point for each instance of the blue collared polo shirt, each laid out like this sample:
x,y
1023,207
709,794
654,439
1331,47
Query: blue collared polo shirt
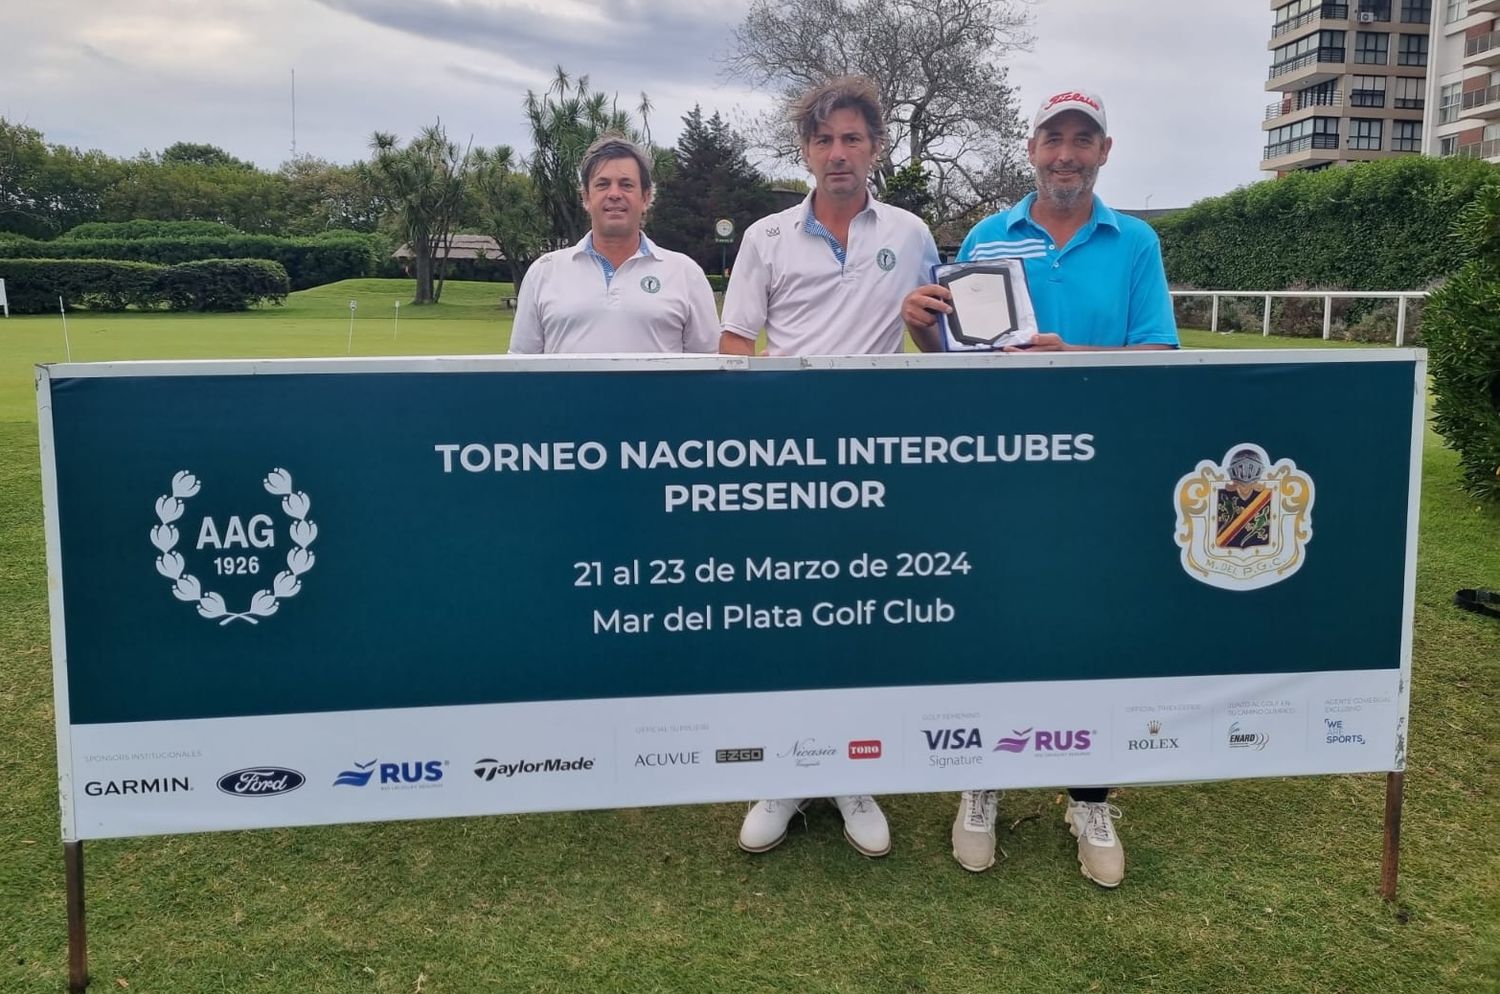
x,y
1105,288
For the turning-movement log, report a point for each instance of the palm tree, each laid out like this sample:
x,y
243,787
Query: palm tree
x,y
425,182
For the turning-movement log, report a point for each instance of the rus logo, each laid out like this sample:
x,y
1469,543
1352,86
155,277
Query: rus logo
x,y
391,774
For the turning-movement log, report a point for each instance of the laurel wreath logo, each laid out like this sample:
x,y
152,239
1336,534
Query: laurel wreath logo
x,y
185,586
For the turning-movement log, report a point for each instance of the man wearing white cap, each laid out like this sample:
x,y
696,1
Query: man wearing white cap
x,y
1096,282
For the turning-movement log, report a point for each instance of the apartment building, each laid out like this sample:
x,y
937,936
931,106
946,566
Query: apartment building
x,y
1463,90
1351,79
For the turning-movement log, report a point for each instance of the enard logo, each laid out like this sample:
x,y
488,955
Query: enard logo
x,y
1244,523
256,534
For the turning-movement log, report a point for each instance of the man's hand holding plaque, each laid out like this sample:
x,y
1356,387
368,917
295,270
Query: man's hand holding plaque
x,y
991,305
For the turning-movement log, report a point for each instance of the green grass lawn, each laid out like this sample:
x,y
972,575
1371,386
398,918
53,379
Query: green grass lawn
x,y
1265,886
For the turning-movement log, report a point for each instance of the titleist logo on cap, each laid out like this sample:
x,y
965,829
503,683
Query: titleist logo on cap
x,y
1069,96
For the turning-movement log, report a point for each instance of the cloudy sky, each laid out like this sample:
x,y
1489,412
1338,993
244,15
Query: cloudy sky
x,y
1182,79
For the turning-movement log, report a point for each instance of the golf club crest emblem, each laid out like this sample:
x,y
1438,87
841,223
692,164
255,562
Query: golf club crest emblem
x,y
256,537
1245,522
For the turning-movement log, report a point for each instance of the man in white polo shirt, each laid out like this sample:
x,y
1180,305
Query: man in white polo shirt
x,y
827,277
616,290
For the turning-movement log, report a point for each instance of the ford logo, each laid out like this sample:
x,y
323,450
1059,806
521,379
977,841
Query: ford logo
x,y
261,781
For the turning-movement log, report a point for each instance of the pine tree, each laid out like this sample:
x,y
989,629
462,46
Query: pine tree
x,y
710,179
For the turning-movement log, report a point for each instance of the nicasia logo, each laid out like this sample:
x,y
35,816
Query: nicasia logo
x,y
1073,741
492,769
865,749
419,773
261,781
150,785
807,752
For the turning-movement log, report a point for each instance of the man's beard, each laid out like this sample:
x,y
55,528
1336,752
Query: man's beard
x,y
1067,197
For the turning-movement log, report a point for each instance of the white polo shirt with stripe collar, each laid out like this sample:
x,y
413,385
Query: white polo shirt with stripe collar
x,y
573,300
812,296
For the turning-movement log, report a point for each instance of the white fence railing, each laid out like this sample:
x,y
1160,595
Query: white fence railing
x,y
1403,296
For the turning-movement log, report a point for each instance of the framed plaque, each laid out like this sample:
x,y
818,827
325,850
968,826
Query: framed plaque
x,y
991,305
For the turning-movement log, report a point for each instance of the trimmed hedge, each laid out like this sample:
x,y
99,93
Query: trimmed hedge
x,y
33,285
308,262
1375,226
150,229
1462,336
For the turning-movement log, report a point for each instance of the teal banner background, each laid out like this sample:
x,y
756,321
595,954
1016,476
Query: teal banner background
x,y
442,589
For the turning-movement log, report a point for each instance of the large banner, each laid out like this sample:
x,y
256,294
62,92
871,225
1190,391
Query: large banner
x,y
313,591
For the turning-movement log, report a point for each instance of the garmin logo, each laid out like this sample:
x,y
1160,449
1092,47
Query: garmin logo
x,y
153,785
261,781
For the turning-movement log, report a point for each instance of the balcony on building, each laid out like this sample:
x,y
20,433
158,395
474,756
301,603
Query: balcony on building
x,y
1283,31
1483,50
1484,6
1300,153
1481,105
1308,69
1292,105
1479,150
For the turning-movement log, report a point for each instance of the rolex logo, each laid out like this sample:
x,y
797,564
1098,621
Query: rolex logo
x,y
1153,727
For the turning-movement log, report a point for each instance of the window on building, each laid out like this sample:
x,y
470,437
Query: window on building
x,y
1371,48
1364,133
1408,95
1448,145
1328,46
1379,9
1406,136
1367,91
1416,11
1456,10
1450,97
1413,51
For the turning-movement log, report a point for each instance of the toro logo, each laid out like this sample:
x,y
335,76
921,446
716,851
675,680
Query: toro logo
x,y
1075,740
261,781
864,749
953,738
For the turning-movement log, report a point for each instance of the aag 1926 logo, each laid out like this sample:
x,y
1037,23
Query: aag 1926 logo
x,y
252,535
1244,523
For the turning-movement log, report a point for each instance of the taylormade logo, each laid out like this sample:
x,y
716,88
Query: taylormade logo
x,y
490,769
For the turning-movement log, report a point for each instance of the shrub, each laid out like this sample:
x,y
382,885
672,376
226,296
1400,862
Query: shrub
x,y
33,285
221,284
150,229
1462,335
309,262
718,283
1373,226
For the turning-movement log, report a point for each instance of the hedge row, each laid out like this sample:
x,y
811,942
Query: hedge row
x,y
308,262
151,229
1463,343
34,285
1381,225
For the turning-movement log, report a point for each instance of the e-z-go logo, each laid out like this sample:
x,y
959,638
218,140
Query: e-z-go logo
x,y
258,533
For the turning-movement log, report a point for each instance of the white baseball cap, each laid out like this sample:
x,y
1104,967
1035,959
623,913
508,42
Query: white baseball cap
x,y
1064,100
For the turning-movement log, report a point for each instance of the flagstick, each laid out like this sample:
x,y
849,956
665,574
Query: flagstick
x,y
349,345
66,341
397,325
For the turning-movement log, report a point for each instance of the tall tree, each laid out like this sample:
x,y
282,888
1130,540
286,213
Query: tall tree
x,y
564,121
47,189
949,104
507,208
425,183
324,196
710,178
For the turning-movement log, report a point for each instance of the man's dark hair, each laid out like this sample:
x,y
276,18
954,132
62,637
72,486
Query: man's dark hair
x,y
858,93
613,146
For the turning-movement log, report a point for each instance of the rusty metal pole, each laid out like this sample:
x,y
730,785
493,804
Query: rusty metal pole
x,y
78,948
1390,857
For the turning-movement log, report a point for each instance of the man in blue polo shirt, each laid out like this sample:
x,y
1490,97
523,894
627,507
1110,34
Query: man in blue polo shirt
x,y
1096,282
